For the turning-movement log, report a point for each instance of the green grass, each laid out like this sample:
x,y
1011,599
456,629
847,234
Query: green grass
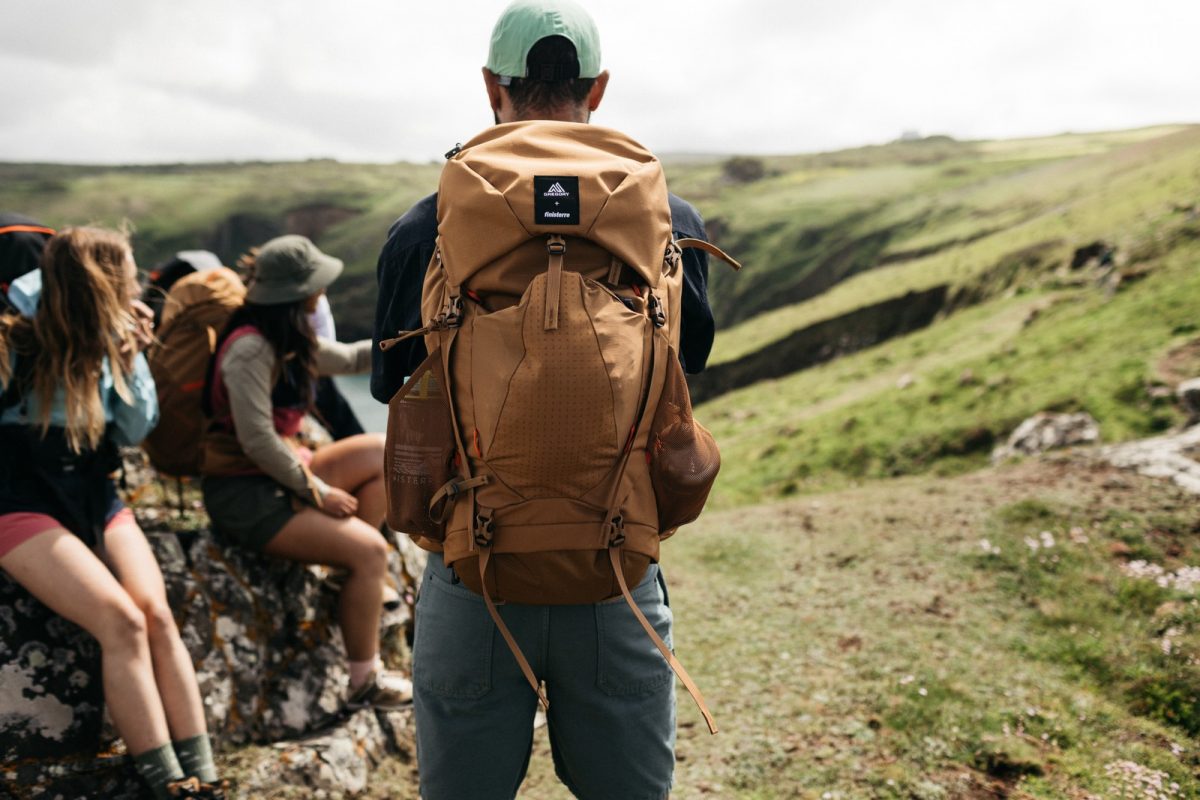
x,y
974,376
1135,640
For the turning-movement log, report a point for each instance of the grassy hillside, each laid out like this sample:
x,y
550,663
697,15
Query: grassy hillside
x,y
228,208
894,227
1027,328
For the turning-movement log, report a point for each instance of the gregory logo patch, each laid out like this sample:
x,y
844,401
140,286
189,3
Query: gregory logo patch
x,y
555,200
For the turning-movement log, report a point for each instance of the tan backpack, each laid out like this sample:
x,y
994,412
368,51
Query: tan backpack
x,y
194,312
546,444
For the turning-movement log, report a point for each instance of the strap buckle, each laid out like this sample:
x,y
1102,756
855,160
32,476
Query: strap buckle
x,y
452,316
657,315
672,259
556,246
615,531
485,529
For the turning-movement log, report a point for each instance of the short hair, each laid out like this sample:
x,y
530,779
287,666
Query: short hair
x,y
534,94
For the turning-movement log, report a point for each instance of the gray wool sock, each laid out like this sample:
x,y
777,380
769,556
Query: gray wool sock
x,y
158,767
196,758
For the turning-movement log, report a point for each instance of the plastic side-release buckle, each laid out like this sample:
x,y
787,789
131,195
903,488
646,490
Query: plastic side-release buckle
x,y
485,528
614,531
452,316
672,259
657,315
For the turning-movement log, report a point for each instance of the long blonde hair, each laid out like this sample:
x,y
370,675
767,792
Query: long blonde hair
x,y
83,318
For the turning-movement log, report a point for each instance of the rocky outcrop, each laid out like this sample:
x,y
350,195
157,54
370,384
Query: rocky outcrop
x,y
268,655
1173,457
334,763
1189,398
1045,431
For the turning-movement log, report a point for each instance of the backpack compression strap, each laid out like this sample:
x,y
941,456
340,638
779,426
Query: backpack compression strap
x,y
614,555
615,530
448,322
711,249
485,555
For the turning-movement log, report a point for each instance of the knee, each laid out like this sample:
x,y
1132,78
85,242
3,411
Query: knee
x,y
122,626
372,446
160,622
374,555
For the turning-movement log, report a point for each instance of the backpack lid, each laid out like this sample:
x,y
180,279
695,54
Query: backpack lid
x,y
494,194
220,285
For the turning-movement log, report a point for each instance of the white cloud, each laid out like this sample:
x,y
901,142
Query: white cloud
x,y
137,80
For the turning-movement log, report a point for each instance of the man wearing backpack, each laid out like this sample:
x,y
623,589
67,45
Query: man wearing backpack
x,y
612,715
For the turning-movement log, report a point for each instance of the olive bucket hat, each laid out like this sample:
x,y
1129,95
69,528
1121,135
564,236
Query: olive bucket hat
x,y
290,268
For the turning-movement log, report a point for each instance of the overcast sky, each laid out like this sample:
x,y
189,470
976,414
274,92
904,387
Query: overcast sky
x,y
123,81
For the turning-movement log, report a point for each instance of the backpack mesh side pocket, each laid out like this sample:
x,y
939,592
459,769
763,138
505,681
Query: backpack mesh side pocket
x,y
419,451
682,454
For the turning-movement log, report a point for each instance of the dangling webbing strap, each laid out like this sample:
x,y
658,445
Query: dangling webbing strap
x,y
449,319
485,554
614,555
709,248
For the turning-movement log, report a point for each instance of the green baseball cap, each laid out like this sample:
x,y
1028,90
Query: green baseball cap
x,y
525,22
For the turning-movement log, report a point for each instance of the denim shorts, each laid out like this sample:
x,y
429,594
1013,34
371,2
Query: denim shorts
x,y
611,693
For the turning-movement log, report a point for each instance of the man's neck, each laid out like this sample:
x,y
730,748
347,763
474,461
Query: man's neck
x,y
579,114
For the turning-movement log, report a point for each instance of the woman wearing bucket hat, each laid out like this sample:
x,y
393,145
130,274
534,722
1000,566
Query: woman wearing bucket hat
x,y
266,492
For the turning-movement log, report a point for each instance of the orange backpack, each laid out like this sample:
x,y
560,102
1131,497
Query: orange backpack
x,y
547,444
194,312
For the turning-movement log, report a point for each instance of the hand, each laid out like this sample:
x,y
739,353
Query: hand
x,y
141,326
338,503
143,320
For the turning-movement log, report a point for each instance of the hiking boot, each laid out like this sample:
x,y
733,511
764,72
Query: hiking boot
x,y
193,789
383,689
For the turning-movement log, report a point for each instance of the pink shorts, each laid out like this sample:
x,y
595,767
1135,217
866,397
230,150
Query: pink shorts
x,y
20,527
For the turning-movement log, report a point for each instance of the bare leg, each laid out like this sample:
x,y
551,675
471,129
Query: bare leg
x,y
131,559
316,538
355,465
59,570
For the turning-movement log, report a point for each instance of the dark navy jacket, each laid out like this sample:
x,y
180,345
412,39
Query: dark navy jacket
x,y
401,274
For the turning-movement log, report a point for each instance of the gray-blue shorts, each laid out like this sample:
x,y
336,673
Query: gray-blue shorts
x,y
611,693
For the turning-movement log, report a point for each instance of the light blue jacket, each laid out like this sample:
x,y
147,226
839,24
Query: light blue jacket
x,y
129,423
